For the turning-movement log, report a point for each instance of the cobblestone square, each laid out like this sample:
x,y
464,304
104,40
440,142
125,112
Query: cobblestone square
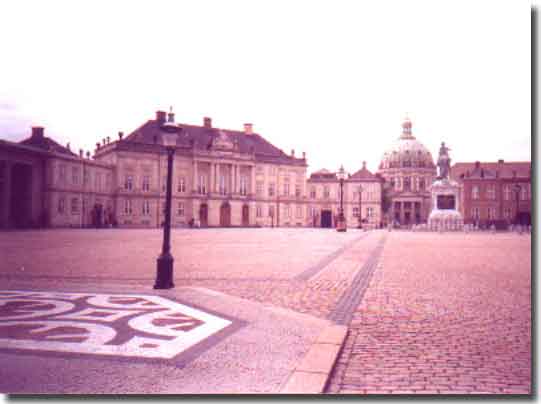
x,y
435,313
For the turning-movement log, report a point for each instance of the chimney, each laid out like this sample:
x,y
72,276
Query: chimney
x,y
68,146
88,154
81,153
364,165
120,135
108,139
292,152
477,164
97,146
160,117
248,128
103,141
207,122
37,132
500,161
303,155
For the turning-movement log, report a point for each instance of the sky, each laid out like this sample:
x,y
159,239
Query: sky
x,y
334,79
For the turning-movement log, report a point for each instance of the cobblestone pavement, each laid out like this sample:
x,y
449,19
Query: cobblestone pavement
x,y
444,313
306,270
441,313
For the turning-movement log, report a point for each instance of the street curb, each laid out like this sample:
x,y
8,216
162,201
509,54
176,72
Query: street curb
x,y
312,374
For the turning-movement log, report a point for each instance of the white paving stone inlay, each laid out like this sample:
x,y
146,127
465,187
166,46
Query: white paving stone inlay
x,y
102,324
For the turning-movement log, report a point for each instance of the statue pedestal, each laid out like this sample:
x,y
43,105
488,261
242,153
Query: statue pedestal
x,y
445,215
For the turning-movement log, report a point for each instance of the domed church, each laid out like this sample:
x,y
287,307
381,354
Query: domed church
x,y
408,170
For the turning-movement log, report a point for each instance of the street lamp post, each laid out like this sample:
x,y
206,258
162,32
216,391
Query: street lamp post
x,y
164,273
341,225
360,217
517,188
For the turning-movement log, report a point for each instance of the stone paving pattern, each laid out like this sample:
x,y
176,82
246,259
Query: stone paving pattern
x,y
444,313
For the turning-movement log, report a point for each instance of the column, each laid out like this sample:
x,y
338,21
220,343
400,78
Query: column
x,y
237,178
195,176
219,175
252,181
211,177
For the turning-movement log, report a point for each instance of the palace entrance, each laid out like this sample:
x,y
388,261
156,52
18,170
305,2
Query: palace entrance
x,y
225,214
326,218
203,215
21,196
245,215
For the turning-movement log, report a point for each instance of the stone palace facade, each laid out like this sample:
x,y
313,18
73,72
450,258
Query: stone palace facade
x,y
221,178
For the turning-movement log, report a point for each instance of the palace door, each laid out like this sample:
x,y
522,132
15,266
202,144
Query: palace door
x,y
245,215
203,215
225,215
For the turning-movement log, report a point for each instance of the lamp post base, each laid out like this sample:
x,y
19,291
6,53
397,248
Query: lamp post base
x,y
164,274
341,225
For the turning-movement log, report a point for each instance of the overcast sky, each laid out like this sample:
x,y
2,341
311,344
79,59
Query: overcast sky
x,y
332,78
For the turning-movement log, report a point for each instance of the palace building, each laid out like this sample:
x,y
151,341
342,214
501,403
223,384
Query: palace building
x,y
408,170
496,193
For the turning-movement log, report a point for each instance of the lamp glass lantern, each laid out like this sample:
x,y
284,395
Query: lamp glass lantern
x,y
341,224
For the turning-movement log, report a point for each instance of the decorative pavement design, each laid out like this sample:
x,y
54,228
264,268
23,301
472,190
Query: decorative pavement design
x,y
102,324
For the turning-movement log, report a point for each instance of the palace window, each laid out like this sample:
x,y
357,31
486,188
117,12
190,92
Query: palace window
x,y
259,188
180,209
286,188
202,185
370,211
355,211
164,184
243,185
181,186
491,192
271,211
108,181
75,175
397,183
491,213
421,184
222,188
297,190
299,211
407,184
475,192
127,207
507,213
74,206
97,182
523,193
146,207
326,192
313,192
128,183
506,192
476,213
259,211
271,189
313,211
272,170
61,205
86,177
287,211
62,173
145,186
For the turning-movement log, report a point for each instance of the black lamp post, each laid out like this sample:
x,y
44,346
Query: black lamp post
x,y
164,274
517,188
341,225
